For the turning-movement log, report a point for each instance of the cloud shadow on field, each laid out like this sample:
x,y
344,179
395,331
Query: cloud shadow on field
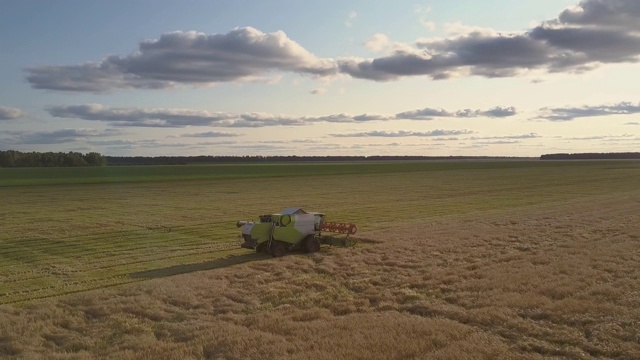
x,y
201,266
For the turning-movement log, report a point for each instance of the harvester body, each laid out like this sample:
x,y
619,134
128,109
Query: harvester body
x,y
292,228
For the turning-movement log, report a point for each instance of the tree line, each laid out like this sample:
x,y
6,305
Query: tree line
x,y
592,156
12,158
208,159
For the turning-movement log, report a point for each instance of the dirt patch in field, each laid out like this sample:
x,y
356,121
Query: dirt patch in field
x,y
543,282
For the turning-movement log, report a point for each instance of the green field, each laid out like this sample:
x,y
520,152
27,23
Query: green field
x,y
127,174
66,230
496,260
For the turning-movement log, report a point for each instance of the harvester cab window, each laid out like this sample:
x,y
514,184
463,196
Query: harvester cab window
x,y
317,221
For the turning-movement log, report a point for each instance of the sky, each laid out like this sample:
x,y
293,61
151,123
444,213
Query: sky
x,y
332,77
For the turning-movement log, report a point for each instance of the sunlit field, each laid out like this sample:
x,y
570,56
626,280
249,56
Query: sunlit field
x,y
455,260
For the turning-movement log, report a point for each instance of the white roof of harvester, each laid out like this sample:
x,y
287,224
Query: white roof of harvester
x,y
296,211
292,211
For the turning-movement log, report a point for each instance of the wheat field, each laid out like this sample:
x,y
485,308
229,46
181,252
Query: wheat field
x,y
485,263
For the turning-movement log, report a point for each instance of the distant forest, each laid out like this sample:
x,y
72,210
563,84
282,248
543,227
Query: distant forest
x,y
591,156
184,160
12,158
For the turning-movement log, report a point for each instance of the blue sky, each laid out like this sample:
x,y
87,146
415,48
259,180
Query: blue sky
x,y
456,77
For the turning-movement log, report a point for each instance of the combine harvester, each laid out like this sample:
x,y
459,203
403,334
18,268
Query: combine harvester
x,y
291,229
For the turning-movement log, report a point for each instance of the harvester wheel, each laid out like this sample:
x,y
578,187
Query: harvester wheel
x,y
277,249
311,244
262,248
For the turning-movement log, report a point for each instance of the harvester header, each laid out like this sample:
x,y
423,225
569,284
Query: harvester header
x,y
294,228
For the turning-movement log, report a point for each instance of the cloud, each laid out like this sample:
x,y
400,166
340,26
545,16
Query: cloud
x,y
424,114
57,136
261,120
497,142
572,113
139,116
509,137
378,42
260,147
500,112
369,117
210,134
350,18
123,142
422,12
581,38
152,143
9,113
429,25
606,13
403,133
171,118
186,58
601,137
458,29
421,9
393,144
335,118
180,118
430,113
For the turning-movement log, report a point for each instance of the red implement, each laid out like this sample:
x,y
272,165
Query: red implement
x,y
340,228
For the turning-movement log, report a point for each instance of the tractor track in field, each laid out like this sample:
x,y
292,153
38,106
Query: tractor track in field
x,y
118,261
112,250
91,261
79,285
90,244
47,244
75,286
48,270
100,256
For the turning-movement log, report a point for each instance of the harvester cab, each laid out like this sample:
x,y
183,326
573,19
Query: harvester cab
x,y
291,229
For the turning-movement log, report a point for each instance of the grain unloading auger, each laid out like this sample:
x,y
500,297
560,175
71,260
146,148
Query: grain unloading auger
x,y
292,229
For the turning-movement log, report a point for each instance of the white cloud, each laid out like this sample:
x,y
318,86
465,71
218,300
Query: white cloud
x,y
430,113
572,113
580,39
508,137
210,134
601,137
378,42
350,18
9,113
187,58
180,118
577,41
60,136
403,133
429,25
422,11
458,29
